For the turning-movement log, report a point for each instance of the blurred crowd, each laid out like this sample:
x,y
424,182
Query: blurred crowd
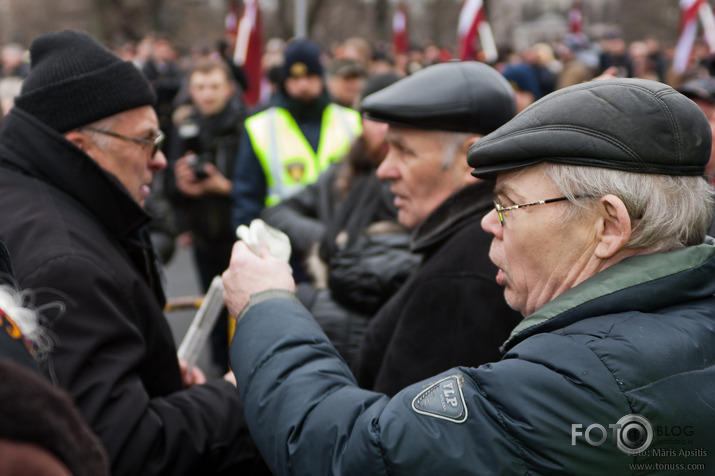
x,y
309,159
534,71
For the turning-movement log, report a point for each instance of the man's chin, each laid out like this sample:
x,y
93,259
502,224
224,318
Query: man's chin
x,y
307,99
511,301
406,220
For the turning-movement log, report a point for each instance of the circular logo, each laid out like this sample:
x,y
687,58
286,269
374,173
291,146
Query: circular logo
x,y
634,434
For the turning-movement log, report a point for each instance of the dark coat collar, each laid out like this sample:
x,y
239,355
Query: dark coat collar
x,y
641,283
223,122
36,149
463,207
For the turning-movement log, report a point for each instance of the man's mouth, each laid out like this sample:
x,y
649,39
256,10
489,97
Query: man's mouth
x,y
501,277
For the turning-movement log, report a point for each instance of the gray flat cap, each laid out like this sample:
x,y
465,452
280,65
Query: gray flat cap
x,y
456,96
634,125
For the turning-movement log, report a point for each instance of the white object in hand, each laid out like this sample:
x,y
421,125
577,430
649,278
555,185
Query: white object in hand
x,y
260,232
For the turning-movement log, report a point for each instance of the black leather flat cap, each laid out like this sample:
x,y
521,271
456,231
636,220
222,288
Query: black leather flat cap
x,y
634,125
456,96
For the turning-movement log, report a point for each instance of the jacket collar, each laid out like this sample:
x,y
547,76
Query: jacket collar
x,y
302,111
643,283
223,121
38,150
463,207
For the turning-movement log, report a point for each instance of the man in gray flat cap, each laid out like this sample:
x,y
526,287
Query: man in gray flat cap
x,y
599,234
431,119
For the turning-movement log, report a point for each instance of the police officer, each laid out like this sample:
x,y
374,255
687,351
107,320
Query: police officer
x,y
290,143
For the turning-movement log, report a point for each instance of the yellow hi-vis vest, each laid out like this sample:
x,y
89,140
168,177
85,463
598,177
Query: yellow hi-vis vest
x,y
289,162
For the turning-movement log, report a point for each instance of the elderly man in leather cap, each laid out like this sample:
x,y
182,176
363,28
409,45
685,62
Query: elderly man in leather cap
x,y
433,117
599,223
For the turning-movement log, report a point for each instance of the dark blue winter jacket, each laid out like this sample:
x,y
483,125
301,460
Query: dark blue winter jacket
x,y
615,376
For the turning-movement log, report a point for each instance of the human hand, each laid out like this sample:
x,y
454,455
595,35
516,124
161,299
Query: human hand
x,y
230,377
185,239
609,73
190,185
191,376
249,274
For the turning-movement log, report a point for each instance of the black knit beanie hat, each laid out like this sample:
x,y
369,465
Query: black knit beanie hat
x,y
75,81
301,57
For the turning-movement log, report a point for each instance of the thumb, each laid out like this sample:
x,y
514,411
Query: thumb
x,y
264,250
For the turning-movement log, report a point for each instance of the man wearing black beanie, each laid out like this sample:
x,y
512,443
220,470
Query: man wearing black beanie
x,y
77,156
288,145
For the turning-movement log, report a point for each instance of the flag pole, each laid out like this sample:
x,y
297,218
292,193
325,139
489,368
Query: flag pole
x,y
301,19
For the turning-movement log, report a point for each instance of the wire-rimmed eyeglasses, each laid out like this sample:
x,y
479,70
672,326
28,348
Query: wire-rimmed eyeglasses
x,y
502,210
155,143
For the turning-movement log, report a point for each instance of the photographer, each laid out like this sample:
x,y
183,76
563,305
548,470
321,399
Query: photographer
x,y
208,146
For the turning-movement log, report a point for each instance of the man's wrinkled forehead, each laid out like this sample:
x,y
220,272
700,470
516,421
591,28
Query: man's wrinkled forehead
x,y
402,137
507,183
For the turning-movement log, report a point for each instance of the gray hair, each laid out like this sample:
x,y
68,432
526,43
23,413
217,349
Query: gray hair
x,y
452,143
667,212
105,124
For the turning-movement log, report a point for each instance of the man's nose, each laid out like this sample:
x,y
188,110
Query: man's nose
x,y
386,170
491,223
158,162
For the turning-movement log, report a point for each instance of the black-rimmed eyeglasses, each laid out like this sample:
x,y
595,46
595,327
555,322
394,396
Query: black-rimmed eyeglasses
x,y
502,210
155,143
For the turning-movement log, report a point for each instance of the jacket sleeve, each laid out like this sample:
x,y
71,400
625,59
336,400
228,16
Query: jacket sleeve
x,y
366,274
303,216
130,395
249,185
307,415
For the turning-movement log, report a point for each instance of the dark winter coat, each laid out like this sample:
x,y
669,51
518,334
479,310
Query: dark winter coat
x,y
632,349
77,238
349,211
449,312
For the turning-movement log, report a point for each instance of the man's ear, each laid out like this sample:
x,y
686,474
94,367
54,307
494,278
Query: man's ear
x,y
468,142
78,139
614,227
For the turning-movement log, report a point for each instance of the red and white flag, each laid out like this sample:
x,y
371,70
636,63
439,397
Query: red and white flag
x,y
688,30
576,17
249,49
400,33
473,22
231,26
708,21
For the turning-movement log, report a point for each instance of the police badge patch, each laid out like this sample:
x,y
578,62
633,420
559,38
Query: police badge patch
x,y
443,399
298,70
296,170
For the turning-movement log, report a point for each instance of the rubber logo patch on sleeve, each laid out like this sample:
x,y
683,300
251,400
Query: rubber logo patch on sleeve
x,y
443,399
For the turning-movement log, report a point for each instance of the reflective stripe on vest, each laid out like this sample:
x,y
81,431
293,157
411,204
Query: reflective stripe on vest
x,y
288,160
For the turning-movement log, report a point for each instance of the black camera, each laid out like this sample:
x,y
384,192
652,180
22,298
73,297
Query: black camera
x,y
198,166
189,133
